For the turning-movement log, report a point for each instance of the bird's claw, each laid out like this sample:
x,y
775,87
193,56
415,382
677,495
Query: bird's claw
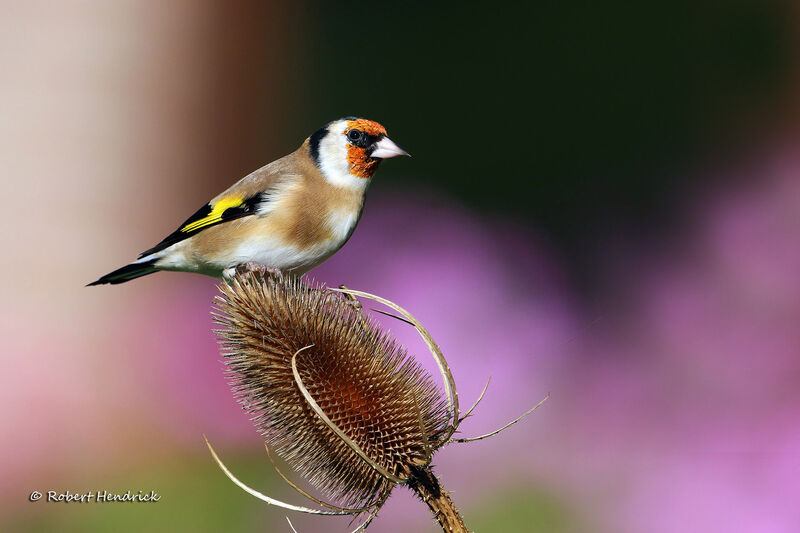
x,y
265,271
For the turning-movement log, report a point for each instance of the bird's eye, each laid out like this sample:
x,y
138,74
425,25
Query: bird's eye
x,y
354,135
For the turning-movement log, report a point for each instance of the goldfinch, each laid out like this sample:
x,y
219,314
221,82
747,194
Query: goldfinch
x,y
289,216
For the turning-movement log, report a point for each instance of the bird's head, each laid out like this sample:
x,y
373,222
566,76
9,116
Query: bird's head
x,y
348,151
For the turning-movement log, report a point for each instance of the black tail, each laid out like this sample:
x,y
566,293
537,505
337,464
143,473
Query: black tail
x,y
126,273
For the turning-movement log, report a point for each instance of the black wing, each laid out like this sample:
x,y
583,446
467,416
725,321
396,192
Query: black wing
x,y
223,210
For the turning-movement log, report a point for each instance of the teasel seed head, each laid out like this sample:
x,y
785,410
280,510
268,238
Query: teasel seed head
x,y
279,337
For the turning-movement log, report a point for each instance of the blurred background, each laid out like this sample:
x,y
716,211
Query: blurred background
x,y
603,203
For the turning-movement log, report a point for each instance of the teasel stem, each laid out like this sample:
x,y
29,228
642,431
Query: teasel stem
x,y
425,484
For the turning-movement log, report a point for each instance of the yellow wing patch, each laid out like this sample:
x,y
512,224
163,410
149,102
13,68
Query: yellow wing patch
x,y
215,215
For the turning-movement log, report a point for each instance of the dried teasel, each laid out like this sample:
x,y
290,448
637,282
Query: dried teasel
x,y
336,398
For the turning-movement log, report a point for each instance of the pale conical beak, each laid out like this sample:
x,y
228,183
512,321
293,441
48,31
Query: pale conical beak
x,y
386,148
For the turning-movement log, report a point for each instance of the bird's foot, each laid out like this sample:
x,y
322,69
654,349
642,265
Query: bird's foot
x,y
252,266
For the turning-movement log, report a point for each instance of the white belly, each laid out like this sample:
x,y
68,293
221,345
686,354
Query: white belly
x,y
274,253
264,249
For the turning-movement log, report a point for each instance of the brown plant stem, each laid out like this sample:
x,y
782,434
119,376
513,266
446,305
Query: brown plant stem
x,y
426,485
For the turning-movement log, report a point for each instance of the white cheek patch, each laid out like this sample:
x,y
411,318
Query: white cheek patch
x,y
333,158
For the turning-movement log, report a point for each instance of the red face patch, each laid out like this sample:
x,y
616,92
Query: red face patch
x,y
369,127
361,165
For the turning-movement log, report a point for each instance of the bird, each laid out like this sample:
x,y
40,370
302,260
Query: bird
x,y
287,217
